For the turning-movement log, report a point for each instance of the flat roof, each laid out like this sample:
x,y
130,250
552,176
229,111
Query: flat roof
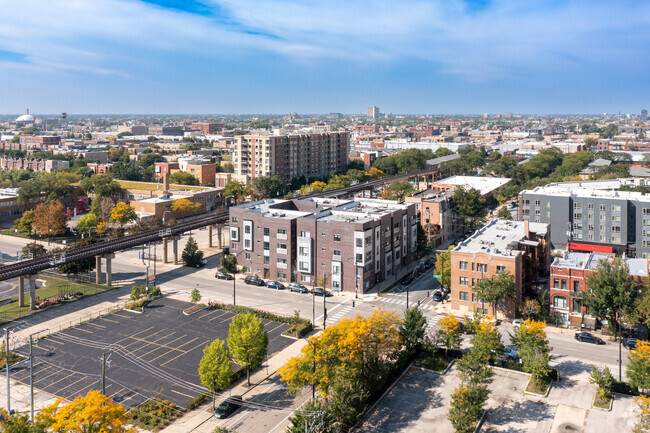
x,y
589,261
499,237
484,184
8,192
578,190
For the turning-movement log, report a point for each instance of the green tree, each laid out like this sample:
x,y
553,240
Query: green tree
x,y
533,349
247,341
470,205
268,186
467,407
499,291
504,213
25,223
87,223
443,267
35,249
229,263
448,335
195,296
183,178
356,164
20,423
397,190
215,368
191,254
102,185
137,292
413,330
122,213
604,380
611,288
235,190
77,266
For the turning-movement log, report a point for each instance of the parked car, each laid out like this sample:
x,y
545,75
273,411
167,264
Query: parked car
x,y
421,268
437,296
228,407
445,290
408,279
254,281
203,262
517,323
322,292
274,285
588,338
428,263
223,276
630,343
297,287
510,352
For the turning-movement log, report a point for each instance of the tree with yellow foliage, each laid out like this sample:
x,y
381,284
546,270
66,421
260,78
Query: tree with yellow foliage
x,y
448,335
533,349
643,415
93,412
375,173
467,407
184,205
638,370
122,213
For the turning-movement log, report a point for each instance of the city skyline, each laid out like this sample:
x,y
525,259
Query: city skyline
x,y
167,57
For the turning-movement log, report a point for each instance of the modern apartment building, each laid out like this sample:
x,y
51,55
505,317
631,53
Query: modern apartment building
x,y
584,218
521,248
373,112
291,155
568,281
355,243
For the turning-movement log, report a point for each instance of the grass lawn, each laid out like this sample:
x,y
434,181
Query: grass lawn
x,y
436,361
53,287
54,239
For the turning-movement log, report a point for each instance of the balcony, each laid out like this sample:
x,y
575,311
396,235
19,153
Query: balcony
x,y
336,258
281,265
281,251
282,236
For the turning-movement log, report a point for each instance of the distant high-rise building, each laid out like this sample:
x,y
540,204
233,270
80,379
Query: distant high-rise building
x,y
644,114
373,112
485,115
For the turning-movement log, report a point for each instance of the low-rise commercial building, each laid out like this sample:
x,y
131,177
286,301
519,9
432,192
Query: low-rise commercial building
x,y
520,248
353,243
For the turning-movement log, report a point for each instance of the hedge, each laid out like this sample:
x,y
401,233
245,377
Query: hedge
x,y
294,320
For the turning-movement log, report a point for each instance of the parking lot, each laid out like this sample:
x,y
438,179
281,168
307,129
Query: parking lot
x,y
156,353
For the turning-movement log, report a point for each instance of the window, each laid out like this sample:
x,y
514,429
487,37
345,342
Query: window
x,y
248,256
538,212
646,221
616,218
337,252
464,281
247,229
463,265
235,245
282,260
501,268
556,283
577,206
616,208
359,258
234,219
303,251
368,240
266,245
563,284
577,305
590,206
526,211
303,266
602,208
590,227
336,285
577,216
601,227
616,229
646,211
305,278
247,244
359,242
282,246
526,202
266,260
576,286
396,225
602,238
266,231
577,226
590,237
473,297
616,239
602,217
282,231
481,267
464,296
559,302
282,275
304,234
537,203
337,237
248,269
590,217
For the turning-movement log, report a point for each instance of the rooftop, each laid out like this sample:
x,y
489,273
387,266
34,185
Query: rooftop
x,y
152,186
501,237
484,184
8,192
589,261
590,189
360,210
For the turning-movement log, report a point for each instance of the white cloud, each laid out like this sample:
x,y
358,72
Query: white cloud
x,y
506,37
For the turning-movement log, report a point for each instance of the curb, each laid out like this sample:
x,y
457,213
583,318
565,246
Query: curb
x,y
593,400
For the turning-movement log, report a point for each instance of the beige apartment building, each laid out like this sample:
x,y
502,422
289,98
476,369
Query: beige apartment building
x,y
521,248
291,155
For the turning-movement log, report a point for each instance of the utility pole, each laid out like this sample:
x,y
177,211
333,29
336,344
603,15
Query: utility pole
x,y
620,352
7,368
104,373
31,379
324,309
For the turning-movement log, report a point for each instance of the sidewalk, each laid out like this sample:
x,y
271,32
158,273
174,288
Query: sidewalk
x,y
202,420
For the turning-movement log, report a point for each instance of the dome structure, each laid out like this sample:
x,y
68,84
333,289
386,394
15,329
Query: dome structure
x,y
25,118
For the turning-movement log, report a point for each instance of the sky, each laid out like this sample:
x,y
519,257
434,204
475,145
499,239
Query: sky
x,y
313,56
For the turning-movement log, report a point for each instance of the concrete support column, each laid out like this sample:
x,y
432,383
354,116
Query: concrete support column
x,y
98,269
219,228
32,292
210,236
164,260
109,276
21,291
175,248
371,192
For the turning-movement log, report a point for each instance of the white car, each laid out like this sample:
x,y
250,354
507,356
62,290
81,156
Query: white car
x,y
517,323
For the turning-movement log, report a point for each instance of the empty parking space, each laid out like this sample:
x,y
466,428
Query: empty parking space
x,y
156,353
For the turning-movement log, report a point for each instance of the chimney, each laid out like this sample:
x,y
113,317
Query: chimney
x,y
527,228
166,183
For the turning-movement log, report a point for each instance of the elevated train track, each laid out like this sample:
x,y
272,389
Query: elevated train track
x,y
33,266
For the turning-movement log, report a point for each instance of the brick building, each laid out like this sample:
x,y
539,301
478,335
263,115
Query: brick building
x,y
207,128
354,243
568,280
437,215
291,155
41,140
47,165
520,248
99,168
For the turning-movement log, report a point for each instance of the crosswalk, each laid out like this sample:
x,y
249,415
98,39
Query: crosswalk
x,y
402,301
340,313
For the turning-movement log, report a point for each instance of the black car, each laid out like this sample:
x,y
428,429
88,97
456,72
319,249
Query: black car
x,y
228,407
223,276
408,279
254,281
428,263
630,343
322,292
437,296
588,338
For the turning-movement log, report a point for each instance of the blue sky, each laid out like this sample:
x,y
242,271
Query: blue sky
x,y
310,56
